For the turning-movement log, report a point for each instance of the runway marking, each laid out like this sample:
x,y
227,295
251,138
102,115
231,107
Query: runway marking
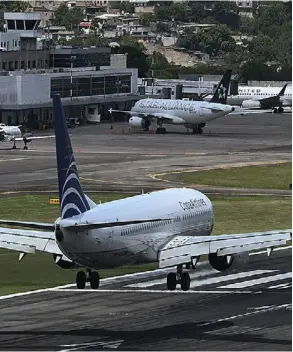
x,y
15,159
264,310
224,278
178,291
78,346
255,282
121,277
205,281
282,286
163,280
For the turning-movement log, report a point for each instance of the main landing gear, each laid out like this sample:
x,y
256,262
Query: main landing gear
x,y
178,278
161,130
90,276
278,110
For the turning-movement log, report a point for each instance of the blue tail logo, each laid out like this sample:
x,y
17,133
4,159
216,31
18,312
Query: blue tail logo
x,y
72,199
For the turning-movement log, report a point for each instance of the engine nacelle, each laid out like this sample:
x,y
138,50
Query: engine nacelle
x,y
139,122
26,137
251,104
235,261
64,262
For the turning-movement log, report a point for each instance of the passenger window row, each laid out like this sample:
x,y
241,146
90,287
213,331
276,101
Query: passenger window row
x,y
143,227
195,214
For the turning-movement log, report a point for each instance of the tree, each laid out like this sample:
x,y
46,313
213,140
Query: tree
x,y
11,6
136,54
226,12
126,7
212,41
146,18
262,49
197,11
70,18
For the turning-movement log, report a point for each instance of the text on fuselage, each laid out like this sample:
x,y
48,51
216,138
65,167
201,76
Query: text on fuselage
x,y
192,204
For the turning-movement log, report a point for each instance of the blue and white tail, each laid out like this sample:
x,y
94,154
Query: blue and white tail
x,y
72,199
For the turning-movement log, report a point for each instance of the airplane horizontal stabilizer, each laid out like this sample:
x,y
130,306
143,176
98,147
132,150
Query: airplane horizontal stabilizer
x,y
91,226
32,225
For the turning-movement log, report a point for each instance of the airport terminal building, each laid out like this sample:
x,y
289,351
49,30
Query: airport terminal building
x,y
87,94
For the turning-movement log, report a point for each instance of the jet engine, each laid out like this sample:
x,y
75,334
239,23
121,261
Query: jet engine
x,y
251,104
139,122
26,138
2,136
222,263
64,262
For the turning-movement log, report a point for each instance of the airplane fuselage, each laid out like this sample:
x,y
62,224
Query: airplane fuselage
x,y
190,211
8,133
182,112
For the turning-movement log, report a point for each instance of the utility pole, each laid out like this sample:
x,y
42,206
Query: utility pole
x,y
71,67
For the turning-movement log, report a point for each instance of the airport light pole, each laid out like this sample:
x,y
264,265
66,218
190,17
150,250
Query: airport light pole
x,y
72,58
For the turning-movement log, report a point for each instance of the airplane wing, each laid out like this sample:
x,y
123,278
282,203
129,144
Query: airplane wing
x,y
186,249
33,137
28,241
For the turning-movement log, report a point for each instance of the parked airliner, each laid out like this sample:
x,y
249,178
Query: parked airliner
x,y
190,114
13,134
265,98
171,227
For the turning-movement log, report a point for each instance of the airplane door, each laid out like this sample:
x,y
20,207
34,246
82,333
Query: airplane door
x,y
110,238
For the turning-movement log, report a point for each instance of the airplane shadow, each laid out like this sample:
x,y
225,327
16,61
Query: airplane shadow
x,y
137,338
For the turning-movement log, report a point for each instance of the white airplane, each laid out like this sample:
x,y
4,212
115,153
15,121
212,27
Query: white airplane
x,y
13,134
265,98
190,114
171,227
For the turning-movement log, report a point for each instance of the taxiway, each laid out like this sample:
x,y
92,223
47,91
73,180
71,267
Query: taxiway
x,y
119,159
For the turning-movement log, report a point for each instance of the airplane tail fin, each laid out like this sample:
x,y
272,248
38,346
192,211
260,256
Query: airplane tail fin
x,y
221,92
72,199
282,91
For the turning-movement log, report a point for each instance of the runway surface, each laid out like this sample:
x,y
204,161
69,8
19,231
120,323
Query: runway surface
x,y
120,159
244,310
240,310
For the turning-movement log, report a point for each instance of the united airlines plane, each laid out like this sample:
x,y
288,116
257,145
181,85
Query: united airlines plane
x,y
171,227
190,114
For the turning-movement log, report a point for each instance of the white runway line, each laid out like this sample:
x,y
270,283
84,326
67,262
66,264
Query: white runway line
x,y
255,282
15,159
224,278
122,277
257,311
178,291
163,281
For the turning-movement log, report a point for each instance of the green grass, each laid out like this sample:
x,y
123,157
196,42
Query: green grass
x,y
232,215
277,176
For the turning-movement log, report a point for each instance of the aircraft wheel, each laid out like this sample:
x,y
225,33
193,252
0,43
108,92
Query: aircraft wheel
x,y
25,148
171,281
80,280
185,282
94,280
275,110
158,130
280,110
163,130
14,147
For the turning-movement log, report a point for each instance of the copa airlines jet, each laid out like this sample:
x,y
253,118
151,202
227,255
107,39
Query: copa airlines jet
x,y
13,134
170,227
190,114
